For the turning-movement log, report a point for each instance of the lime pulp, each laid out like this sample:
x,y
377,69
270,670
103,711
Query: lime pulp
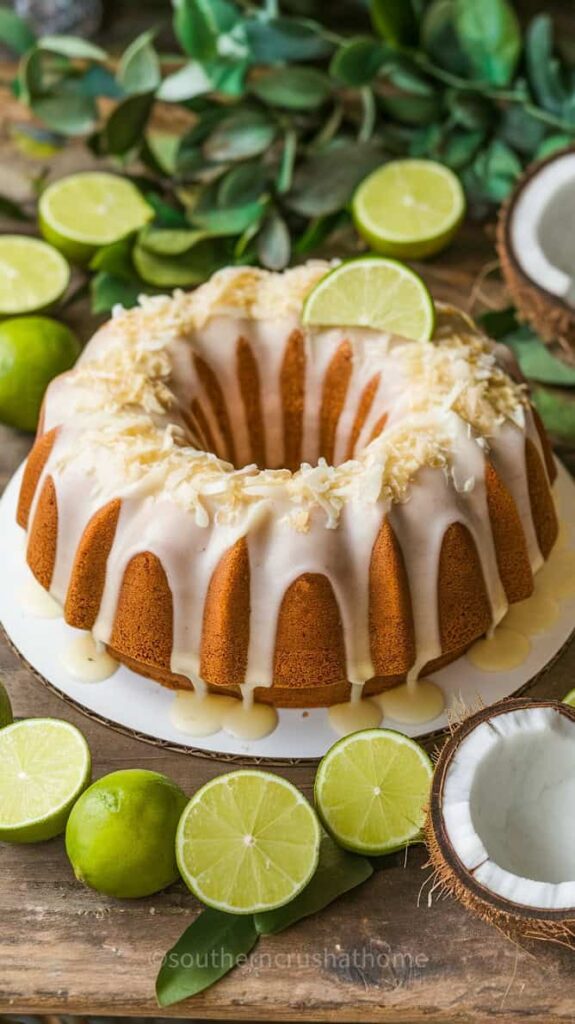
x,y
33,275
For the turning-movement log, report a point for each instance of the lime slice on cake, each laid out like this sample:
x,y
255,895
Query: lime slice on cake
x,y
83,212
372,292
44,766
248,841
409,208
33,275
371,790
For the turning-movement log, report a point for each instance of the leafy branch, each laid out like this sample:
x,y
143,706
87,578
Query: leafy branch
x,y
283,117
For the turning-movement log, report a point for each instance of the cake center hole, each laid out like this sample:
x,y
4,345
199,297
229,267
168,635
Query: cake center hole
x,y
284,425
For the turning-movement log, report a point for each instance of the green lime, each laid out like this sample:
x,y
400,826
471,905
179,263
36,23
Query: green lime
x,y
33,275
44,766
6,716
372,292
371,790
33,350
247,841
409,208
120,835
570,699
83,212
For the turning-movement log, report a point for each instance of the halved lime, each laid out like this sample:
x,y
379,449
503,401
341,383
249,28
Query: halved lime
x,y
44,766
371,790
570,699
247,841
372,292
409,208
83,212
6,716
33,275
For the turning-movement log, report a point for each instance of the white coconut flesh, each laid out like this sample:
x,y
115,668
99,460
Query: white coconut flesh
x,y
542,228
508,807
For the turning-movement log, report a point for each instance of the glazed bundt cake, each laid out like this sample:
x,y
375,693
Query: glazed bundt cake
x,y
229,499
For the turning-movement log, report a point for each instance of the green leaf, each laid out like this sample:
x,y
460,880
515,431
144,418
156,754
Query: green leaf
x,y
166,215
519,129
189,81
460,147
471,111
495,170
357,62
13,210
407,95
169,241
293,88
395,20
557,410
337,872
243,184
536,361
181,271
552,144
208,949
108,291
319,230
69,115
15,33
124,128
139,68
498,322
196,28
240,135
279,40
163,148
97,81
543,69
287,164
30,75
116,259
439,37
230,221
227,76
490,37
327,180
72,46
274,242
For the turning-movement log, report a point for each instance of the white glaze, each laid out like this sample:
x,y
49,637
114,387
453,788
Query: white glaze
x,y
87,660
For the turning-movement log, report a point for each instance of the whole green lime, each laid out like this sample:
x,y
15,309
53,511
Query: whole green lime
x,y
33,350
6,716
120,837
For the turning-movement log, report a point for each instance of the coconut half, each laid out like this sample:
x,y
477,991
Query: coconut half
x,y
536,247
501,822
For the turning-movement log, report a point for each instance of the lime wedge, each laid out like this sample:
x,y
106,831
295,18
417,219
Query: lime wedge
x,y
33,275
409,208
44,766
371,790
83,212
247,841
6,716
570,699
372,292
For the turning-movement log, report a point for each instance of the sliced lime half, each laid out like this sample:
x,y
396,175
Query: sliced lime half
x,y
33,275
248,841
570,699
372,292
371,790
83,212
409,208
44,766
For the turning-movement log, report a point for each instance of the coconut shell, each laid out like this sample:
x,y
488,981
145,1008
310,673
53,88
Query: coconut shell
x,y
551,317
451,878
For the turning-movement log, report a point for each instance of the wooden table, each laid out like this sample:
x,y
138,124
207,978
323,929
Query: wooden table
x,y
380,954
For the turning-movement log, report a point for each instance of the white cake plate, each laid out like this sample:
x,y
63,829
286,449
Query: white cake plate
x,y
139,707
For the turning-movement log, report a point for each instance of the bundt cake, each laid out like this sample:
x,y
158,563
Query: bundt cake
x,y
229,499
